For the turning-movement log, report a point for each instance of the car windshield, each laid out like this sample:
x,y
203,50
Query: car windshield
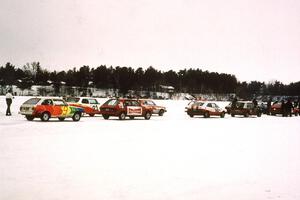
x,y
111,102
32,101
93,101
72,99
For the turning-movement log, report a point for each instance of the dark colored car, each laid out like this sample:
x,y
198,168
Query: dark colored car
x,y
125,107
276,109
245,108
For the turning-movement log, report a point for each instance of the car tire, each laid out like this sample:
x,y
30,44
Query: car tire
x,y
191,115
45,116
259,114
122,116
222,115
246,115
29,117
91,115
232,115
61,119
105,116
161,112
206,115
147,115
76,117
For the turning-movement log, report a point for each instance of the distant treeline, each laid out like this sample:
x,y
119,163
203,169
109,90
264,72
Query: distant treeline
x,y
127,78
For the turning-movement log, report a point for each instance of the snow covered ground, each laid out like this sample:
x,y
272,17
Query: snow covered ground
x,y
169,157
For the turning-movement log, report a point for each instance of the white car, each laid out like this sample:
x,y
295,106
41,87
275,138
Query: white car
x,y
205,108
90,105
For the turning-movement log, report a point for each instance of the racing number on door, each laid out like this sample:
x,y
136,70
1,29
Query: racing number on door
x,y
64,110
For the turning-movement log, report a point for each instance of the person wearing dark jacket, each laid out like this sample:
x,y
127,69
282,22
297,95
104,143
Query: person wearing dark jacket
x,y
269,104
283,108
254,101
233,104
289,106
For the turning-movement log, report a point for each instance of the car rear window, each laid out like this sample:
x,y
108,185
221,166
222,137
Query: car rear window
x,y
32,101
199,103
151,103
72,99
240,105
111,102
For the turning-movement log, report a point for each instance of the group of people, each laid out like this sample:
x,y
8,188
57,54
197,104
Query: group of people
x,y
287,107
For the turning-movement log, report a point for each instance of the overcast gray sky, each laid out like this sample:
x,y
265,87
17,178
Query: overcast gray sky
x,y
253,39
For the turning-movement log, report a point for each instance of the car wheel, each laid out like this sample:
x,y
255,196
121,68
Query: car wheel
x,y
105,116
222,115
131,117
161,112
29,117
191,115
61,119
232,115
45,117
76,116
246,115
206,115
147,115
91,115
122,116
259,114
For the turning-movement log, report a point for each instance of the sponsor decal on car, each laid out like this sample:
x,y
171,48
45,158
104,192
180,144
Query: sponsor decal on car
x,y
134,110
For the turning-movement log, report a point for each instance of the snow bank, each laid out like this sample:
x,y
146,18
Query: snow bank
x,y
169,157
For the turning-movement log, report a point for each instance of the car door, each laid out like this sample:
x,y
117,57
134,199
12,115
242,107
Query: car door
x,y
133,108
46,105
210,108
60,108
93,103
217,109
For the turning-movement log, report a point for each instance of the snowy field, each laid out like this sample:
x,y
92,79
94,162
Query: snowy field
x,y
173,157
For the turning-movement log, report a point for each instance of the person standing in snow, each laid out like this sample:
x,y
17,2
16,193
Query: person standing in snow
x,y
233,104
9,97
254,101
289,106
283,108
269,106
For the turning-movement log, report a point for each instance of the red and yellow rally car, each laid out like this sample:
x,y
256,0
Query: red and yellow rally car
x,y
125,107
90,105
160,110
45,108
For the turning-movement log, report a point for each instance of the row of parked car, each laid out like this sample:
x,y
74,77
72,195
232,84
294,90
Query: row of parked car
x,y
74,107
